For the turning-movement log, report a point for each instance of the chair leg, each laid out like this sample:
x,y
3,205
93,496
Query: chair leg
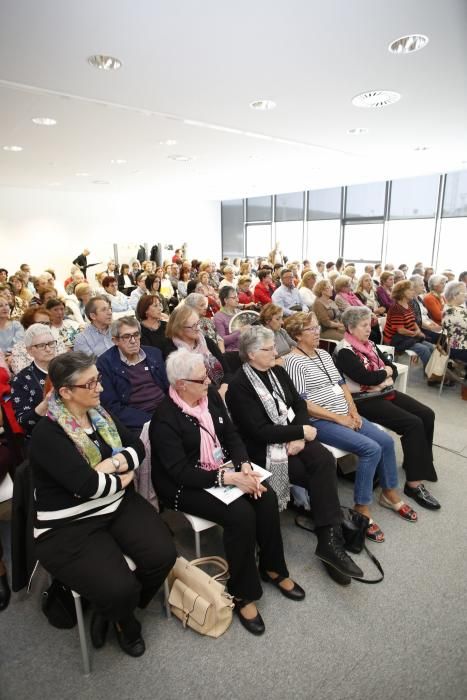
x,y
166,599
197,545
82,634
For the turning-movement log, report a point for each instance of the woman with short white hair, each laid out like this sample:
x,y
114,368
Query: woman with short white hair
x,y
455,319
434,300
27,387
192,439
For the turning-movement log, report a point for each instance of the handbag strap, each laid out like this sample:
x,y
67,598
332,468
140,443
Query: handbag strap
x,y
304,523
218,562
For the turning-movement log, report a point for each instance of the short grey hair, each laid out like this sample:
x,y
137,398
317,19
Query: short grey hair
x,y
452,289
253,339
124,321
194,299
181,363
435,280
34,331
417,279
353,315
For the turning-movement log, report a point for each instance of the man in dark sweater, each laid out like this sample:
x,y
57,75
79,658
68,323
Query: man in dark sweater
x,y
133,377
82,261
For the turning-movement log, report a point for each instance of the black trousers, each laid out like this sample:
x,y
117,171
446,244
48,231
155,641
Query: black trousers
x,y
314,468
246,522
415,423
87,556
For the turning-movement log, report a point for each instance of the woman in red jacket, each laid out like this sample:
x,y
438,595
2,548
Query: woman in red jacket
x,y
265,288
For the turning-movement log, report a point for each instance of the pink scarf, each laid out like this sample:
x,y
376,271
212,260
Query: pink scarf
x,y
366,352
351,298
208,437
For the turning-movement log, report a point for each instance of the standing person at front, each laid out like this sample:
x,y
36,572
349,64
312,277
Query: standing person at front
x,y
87,514
273,421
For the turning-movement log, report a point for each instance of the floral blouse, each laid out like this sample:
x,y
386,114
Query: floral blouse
x,y
27,391
455,324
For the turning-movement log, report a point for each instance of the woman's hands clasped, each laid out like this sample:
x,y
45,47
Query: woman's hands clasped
x,y
246,479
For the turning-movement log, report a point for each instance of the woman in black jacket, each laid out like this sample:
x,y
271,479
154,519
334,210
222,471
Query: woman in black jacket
x,y
87,514
192,437
273,421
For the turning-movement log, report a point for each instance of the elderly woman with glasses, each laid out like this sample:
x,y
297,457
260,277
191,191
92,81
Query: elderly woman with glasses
x,y
370,377
87,515
455,319
27,387
334,415
199,303
273,421
272,317
183,331
192,439
434,300
222,318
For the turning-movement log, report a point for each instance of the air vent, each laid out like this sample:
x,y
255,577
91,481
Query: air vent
x,y
376,99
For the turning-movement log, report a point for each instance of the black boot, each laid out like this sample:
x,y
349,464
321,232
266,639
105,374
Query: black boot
x,y
330,549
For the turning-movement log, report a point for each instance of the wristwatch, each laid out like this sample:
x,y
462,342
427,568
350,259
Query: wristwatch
x,y
116,463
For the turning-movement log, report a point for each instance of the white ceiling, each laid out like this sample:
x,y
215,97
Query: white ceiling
x,y
205,62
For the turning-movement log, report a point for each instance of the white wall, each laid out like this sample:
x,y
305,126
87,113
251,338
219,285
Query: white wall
x,y
49,229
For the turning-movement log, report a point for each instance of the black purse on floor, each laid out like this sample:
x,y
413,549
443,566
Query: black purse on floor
x,y
58,606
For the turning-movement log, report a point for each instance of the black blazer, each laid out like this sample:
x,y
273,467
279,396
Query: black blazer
x,y
252,421
121,283
175,447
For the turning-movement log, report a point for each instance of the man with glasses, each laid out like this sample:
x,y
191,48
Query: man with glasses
x,y
96,337
133,377
287,295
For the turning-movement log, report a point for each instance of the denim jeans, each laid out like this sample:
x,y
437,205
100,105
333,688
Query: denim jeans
x,y
423,350
375,451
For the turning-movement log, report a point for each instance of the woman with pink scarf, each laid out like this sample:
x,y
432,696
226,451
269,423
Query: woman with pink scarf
x,y
192,439
370,376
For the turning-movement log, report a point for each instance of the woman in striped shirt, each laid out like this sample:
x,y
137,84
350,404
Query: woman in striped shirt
x,y
401,329
334,415
87,514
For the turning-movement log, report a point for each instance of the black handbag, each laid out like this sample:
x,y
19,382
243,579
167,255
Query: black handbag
x,y
58,606
354,527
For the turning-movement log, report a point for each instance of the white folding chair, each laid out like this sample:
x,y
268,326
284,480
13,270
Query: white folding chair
x,y
198,525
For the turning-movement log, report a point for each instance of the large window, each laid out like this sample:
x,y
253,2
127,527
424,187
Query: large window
x,y
455,194
289,235
232,227
258,240
323,241
324,204
259,209
365,201
363,242
414,197
289,207
452,252
410,242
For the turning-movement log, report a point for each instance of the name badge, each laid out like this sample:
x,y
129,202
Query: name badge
x,y
221,420
337,389
217,454
290,414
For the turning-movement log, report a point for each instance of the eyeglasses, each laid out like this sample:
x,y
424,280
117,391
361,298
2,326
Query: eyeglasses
x,y
90,385
312,329
130,336
194,327
42,346
205,380
268,349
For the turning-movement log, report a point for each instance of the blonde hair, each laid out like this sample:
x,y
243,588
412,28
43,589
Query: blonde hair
x,y
341,282
178,319
295,324
308,275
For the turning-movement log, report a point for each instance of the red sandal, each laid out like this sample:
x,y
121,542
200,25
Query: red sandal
x,y
374,532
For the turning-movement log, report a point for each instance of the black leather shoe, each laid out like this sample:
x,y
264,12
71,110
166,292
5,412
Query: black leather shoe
x,y
135,647
99,628
5,592
336,575
330,549
256,625
295,593
422,496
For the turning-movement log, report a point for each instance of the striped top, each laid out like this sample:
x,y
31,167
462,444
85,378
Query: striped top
x,y
398,317
315,379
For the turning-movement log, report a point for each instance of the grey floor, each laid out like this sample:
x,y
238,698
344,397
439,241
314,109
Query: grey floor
x,y
403,638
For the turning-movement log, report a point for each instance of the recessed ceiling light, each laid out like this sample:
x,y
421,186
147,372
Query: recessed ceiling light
x,y
44,121
357,130
408,44
179,158
421,148
13,149
376,99
82,174
118,161
103,62
168,142
262,105
100,182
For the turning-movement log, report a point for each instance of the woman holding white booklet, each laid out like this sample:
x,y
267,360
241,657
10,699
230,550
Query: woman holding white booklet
x,y
192,437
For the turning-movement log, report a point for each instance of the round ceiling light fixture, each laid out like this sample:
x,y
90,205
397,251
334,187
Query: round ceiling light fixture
x,y
168,142
44,121
408,44
375,99
118,161
13,149
357,131
421,148
262,105
180,159
103,62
